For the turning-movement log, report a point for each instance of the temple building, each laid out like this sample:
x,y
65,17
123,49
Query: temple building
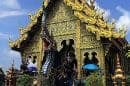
x,y
73,28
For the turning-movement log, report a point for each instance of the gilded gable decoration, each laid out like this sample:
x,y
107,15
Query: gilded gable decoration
x,y
34,20
94,21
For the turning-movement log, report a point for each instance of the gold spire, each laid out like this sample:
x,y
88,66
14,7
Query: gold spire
x,y
118,73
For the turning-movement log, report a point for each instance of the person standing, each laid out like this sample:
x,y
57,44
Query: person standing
x,y
86,59
94,58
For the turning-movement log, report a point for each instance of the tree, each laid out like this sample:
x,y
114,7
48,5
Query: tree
x,y
24,80
127,80
128,53
94,79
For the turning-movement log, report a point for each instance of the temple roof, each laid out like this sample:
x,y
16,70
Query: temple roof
x,y
94,20
35,20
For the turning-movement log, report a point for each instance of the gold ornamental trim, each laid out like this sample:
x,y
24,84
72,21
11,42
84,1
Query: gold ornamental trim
x,y
24,31
85,12
93,19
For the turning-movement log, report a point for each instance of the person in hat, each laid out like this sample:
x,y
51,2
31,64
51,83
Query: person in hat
x,y
94,58
86,59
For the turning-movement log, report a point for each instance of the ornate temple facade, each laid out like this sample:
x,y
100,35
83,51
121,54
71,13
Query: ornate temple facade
x,y
78,21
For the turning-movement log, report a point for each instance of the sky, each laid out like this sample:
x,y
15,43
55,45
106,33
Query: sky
x,y
14,14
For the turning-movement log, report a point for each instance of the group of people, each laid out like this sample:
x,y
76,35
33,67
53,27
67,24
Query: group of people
x,y
68,64
67,69
90,65
30,65
64,61
93,60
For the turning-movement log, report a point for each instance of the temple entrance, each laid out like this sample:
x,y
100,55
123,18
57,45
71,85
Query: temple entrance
x,y
62,65
68,66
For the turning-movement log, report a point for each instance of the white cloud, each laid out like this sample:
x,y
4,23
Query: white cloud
x,y
7,58
106,12
11,54
9,8
123,20
11,4
4,36
4,14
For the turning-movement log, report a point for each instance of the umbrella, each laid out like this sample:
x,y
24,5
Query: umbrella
x,y
32,69
90,67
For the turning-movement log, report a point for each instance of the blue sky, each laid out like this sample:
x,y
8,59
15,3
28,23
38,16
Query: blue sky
x,y
14,14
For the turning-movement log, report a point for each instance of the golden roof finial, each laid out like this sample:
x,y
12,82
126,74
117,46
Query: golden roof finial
x,y
118,66
92,4
118,71
46,2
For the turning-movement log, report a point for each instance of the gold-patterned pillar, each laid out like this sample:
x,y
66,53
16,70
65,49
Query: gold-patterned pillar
x,y
78,54
40,54
102,64
41,49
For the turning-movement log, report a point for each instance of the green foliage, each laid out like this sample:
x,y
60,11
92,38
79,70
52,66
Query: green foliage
x,y
127,80
24,80
128,54
1,83
95,79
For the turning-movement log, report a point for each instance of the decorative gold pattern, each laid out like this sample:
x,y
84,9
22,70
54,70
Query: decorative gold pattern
x,y
95,20
78,52
85,12
81,23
